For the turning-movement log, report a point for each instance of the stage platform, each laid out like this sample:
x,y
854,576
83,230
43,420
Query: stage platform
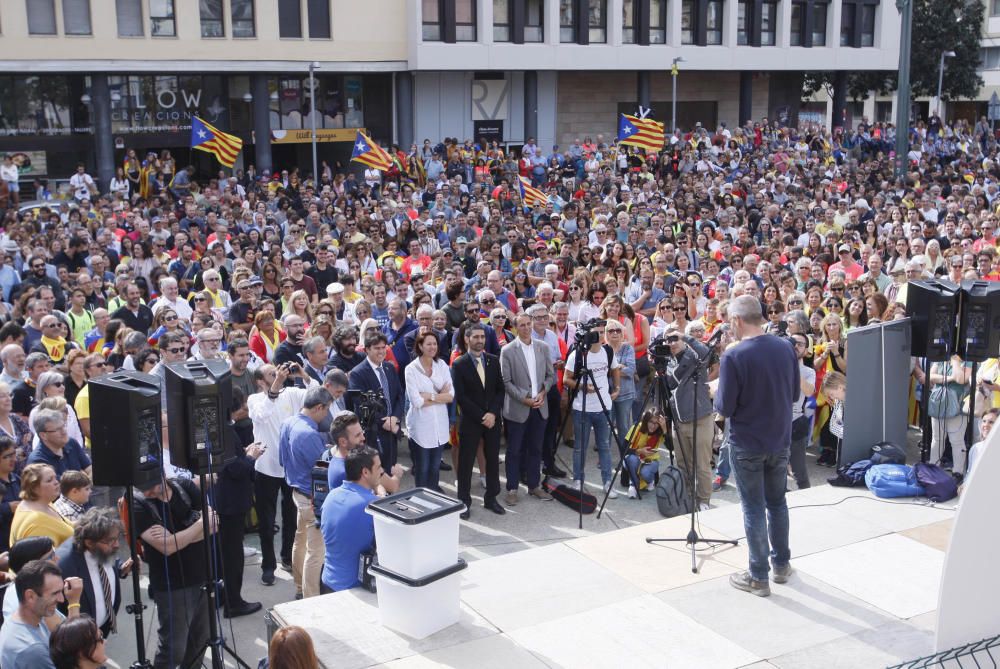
x,y
864,594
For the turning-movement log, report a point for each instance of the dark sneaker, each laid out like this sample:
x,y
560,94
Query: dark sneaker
x,y
781,573
267,577
744,582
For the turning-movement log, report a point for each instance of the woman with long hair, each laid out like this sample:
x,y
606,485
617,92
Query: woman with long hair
x,y
621,407
291,647
614,309
645,439
299,305
270,276
829,355
856,315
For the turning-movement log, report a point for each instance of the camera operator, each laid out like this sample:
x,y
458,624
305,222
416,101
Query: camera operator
x,y
691,407
167,516
347,529
758,379
602,390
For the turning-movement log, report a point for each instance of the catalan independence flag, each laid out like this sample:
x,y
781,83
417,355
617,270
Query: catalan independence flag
x,y
530,195
642,132
371,154
206,138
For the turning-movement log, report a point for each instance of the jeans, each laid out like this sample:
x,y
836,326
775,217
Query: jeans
x,y
266,490
637,469
760,480
426,465
723,467
621,409
182,616
640,394
308,551
583,423
551,428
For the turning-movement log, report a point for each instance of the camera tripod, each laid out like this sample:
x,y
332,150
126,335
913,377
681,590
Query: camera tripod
x,y
693,539
585,377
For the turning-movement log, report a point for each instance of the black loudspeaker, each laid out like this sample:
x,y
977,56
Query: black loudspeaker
x,y
979,330
199,401
933,309
126,438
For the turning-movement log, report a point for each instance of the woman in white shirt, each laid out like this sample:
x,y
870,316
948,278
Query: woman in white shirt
x,y
428,387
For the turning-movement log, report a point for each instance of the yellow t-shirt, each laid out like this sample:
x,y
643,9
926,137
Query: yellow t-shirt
x,y
81,405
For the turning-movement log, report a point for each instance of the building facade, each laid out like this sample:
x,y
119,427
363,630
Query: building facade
x,y
87,80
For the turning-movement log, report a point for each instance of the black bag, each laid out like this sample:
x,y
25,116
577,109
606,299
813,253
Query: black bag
x,y
671,493
852,475
570,496
884,453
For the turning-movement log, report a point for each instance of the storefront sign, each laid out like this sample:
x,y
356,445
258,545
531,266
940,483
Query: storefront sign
x,y
488,131
322,135
489,99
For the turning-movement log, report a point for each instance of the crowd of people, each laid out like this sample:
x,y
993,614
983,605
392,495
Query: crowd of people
x,y
428,308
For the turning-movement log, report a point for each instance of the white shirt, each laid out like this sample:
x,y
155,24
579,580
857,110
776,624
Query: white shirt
x,y
180,307
9,172
267,416
101,614
428,426
529,357
81,183
597,363
550,339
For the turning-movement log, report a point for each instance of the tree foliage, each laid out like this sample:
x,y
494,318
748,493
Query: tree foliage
x,y
938,26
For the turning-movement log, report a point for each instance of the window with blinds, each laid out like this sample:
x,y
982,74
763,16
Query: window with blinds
x,y
41,17
129,14
76,17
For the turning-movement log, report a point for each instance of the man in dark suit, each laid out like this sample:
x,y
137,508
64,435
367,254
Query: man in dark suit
x,y
373,375
479,392
93,552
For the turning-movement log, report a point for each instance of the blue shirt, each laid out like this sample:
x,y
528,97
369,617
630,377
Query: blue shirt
x,y
337,473
300,445
347,532
73,457
8,281
758,381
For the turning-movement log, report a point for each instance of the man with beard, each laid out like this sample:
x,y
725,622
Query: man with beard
x,y
345,356
134,313
37,277
93,556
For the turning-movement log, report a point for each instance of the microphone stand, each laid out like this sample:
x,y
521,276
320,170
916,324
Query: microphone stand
x,y
693,538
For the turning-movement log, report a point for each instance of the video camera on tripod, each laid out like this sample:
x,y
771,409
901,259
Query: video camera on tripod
x,y
367,404
589,333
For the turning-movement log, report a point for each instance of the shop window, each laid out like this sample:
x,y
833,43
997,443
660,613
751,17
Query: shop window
x,y
41,17
162,21
76,17
129,14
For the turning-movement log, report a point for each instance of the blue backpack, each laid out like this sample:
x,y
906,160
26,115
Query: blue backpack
x,y
939,485
893,481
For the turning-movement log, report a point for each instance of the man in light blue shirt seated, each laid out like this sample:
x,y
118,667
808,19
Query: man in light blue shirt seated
x,y
347,530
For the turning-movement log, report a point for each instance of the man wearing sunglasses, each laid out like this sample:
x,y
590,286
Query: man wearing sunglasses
x,y
38,276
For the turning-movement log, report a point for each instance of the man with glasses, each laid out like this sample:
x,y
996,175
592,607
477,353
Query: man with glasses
x,y
94,552
23,394
557,350
209,344
134,313
52,343
55,448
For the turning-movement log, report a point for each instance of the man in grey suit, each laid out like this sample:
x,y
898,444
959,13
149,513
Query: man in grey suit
x,y
527,376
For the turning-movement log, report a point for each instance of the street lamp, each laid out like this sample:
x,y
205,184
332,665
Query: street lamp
x,y
673,102
944,54
313,66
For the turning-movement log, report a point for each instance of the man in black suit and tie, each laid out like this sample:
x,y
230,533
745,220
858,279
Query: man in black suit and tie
x,y
92,556
479,392
373,375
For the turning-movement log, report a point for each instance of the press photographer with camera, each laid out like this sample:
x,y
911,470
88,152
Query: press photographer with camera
x,y
167,516
592,409
690,405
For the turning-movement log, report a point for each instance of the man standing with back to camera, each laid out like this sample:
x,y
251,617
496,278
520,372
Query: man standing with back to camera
x,y
758,381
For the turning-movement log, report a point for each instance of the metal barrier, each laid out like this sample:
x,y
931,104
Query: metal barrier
x,y
979,655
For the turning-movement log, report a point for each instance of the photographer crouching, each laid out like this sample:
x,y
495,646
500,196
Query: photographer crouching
x,y
691,407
